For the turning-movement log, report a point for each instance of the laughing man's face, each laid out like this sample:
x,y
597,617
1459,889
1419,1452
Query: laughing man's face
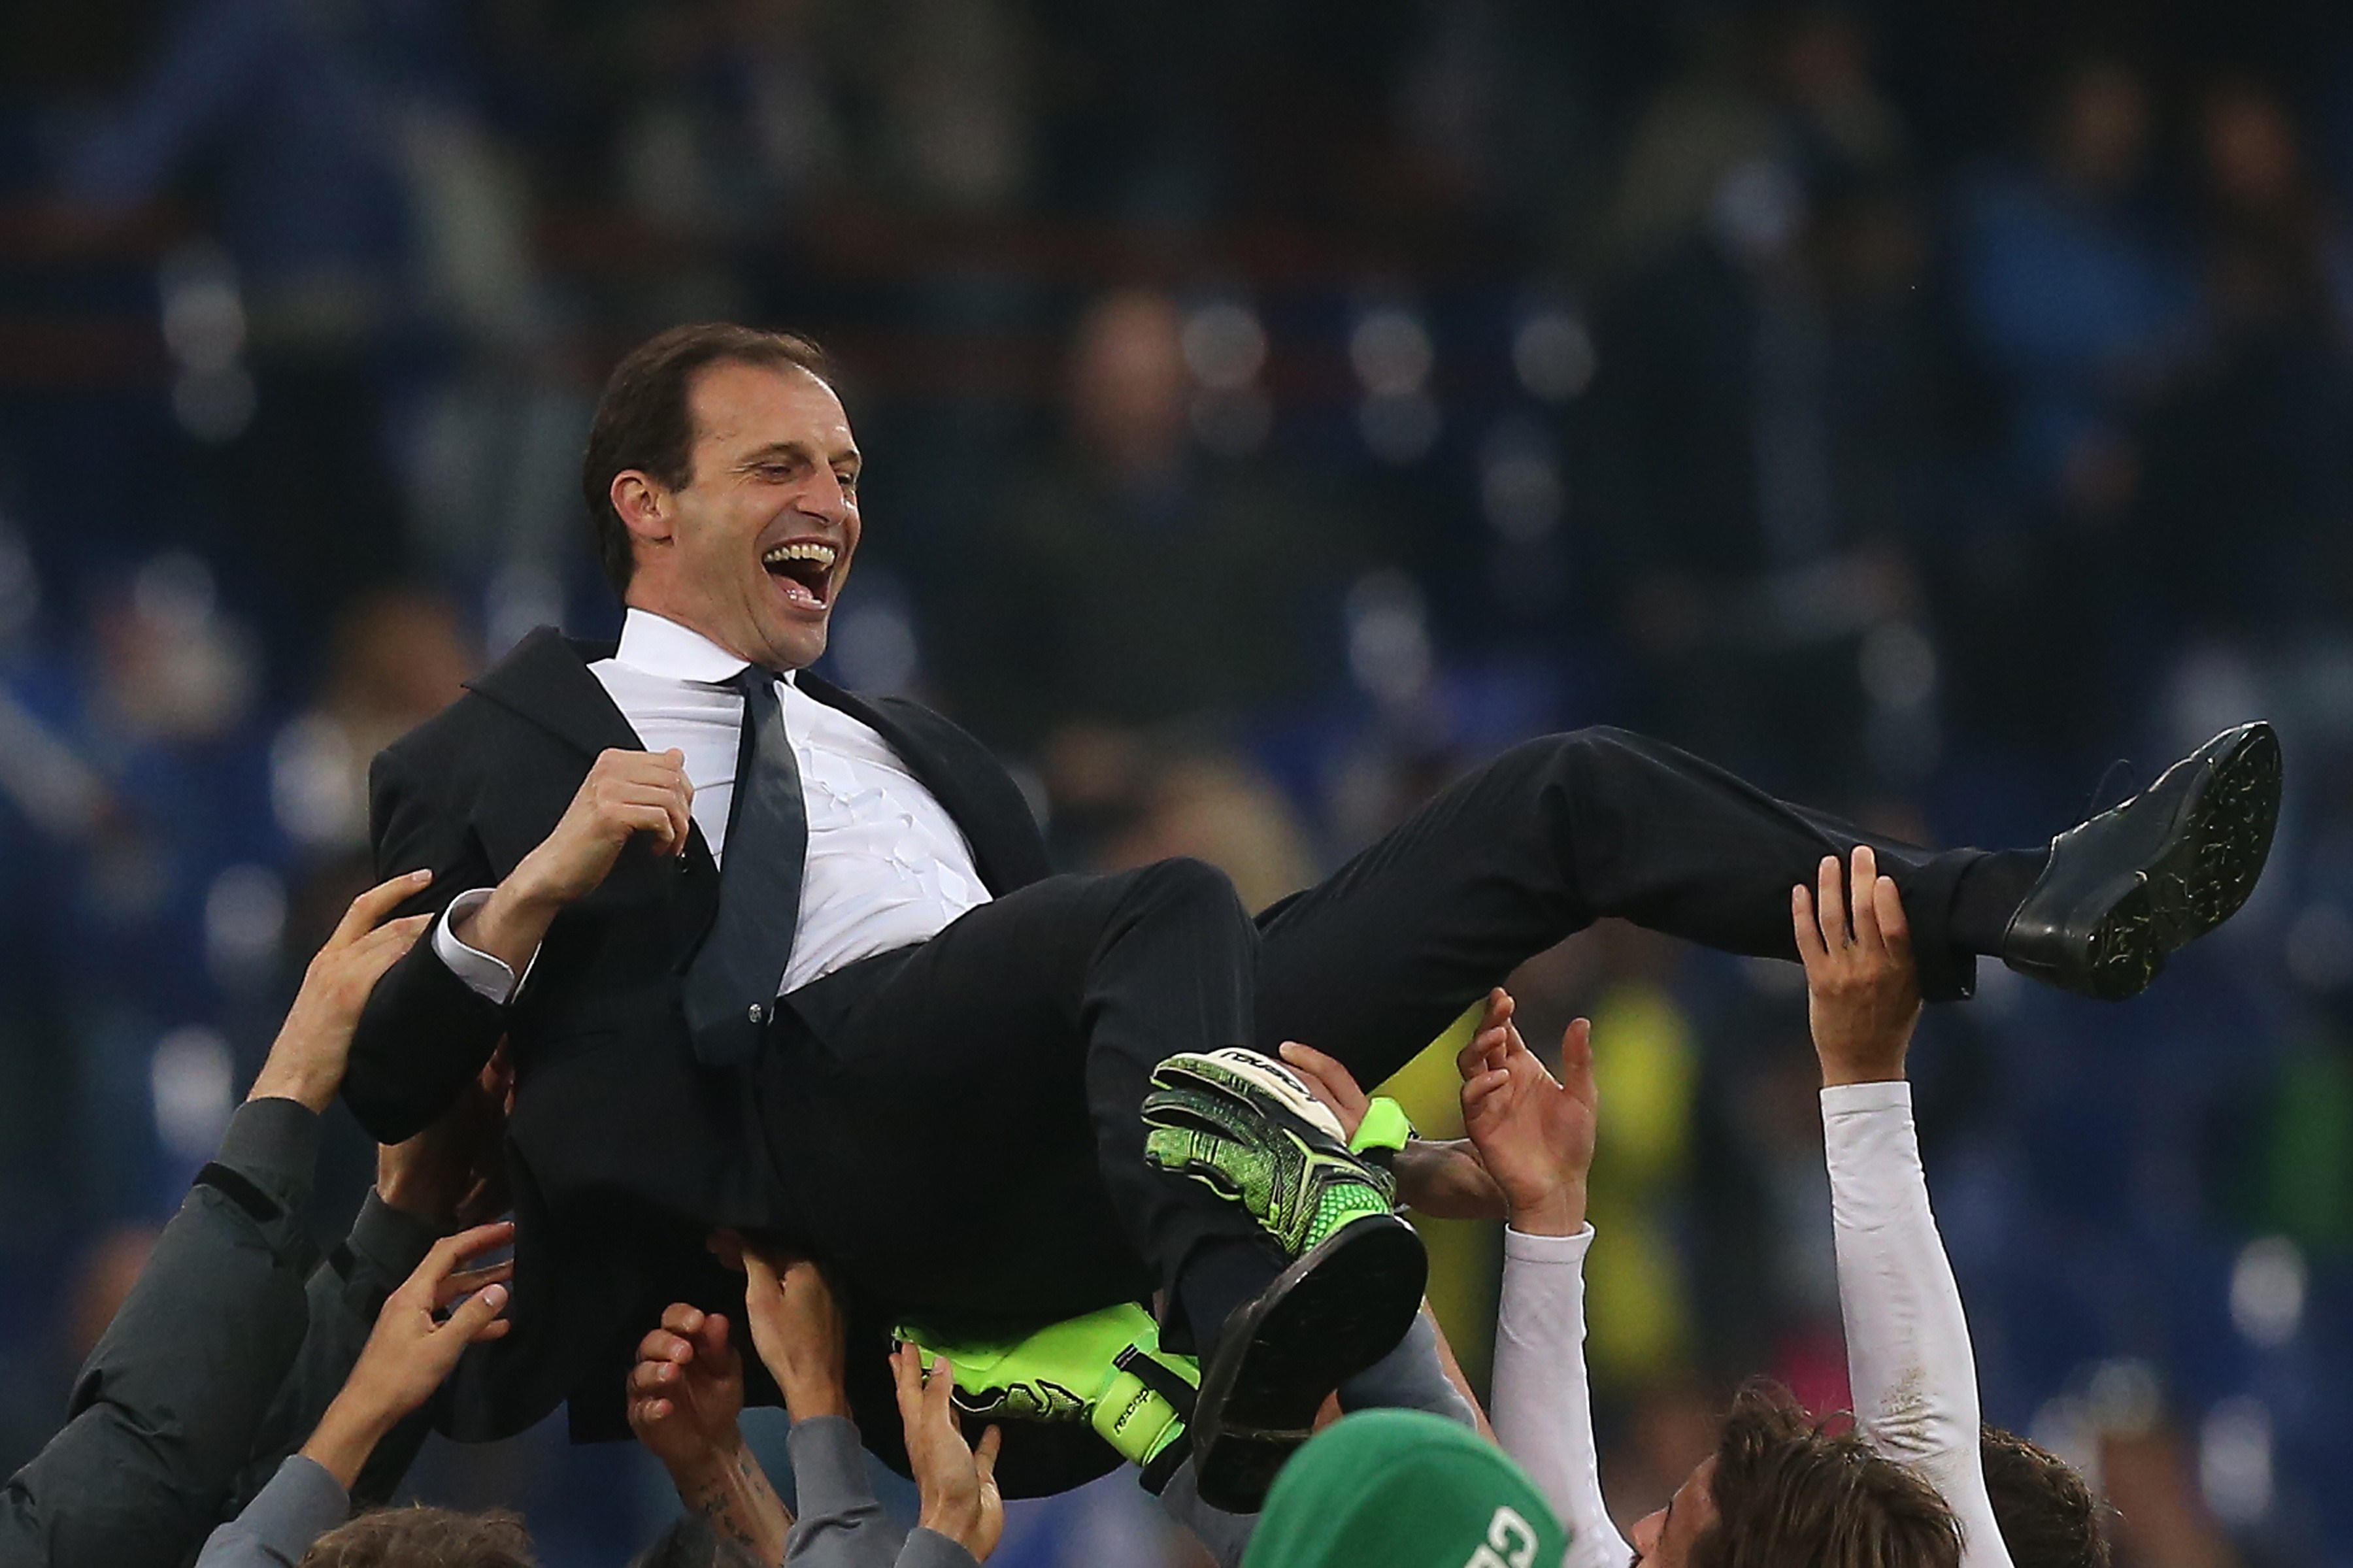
x,y
753,551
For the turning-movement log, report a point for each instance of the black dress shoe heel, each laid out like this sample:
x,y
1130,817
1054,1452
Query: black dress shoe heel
x,y
1341,1307
2146,878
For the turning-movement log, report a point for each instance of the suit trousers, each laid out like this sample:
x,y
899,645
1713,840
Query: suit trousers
x,y
954,1127
955,1124
1372,963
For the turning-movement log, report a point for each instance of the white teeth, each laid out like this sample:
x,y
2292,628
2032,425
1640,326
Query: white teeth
x,y
823,554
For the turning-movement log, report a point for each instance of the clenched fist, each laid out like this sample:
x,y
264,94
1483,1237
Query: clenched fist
x,y
625,793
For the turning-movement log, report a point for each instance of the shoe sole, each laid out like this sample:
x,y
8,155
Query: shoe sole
x,y
1332,1314
2206,870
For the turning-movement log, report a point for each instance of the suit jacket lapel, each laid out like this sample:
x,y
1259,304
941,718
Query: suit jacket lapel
x,y
546,681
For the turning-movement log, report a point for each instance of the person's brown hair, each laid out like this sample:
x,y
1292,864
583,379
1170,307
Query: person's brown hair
x,y
2048,1517
645,419
425,1537
1792,1492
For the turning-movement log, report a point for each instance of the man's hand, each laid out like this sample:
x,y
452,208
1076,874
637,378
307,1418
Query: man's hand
x,y
957,1483
306,1062
625,793
1535,1134
1862,994
686,1395
798,1328
1329,1082
1442,1179
413,1349
454,1172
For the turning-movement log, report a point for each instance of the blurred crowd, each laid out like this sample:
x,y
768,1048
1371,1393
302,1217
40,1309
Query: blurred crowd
x,y
1270,409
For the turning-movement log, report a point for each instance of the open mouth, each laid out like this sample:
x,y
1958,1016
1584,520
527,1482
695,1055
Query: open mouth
x,y
804,570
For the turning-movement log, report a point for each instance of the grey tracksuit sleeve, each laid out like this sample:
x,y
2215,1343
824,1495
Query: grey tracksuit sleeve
x,y
302,1503
840,1524
168,1408
344,1295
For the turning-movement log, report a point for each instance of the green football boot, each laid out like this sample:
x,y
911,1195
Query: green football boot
x,y
1105,1369
1245,1126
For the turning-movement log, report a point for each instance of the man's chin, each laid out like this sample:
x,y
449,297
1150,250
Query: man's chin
x,y
798,647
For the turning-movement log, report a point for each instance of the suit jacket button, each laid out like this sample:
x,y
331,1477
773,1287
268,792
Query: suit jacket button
x,y
757,1013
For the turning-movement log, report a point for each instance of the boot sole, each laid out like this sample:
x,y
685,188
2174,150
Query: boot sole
x,y
1337,1311
2205,872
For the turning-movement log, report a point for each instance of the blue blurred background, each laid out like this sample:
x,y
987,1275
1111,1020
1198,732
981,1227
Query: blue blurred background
x,y
1935,411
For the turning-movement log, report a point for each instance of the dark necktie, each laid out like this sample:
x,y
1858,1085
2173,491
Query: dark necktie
x,y
731,987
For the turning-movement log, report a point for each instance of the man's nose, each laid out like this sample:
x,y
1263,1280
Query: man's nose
x,y
825,497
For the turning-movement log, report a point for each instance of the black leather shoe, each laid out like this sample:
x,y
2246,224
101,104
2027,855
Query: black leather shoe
x,y
1341,1307
2153,875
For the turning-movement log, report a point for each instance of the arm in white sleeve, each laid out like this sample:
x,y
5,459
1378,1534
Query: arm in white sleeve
x,y
486,976
1907,1339
1543,1403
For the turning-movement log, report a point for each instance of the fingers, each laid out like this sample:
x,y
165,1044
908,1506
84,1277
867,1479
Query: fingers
x,y
712,1344
631,788
907,1377
1486,1093
937,1392
682,1319
1324,1073
477,1318
1500,1008
1576,1046
1893,925
385,946
1861,885
369,909
452,1251
1810,951
984,1459
663,1345
465,1282
649,1377
1830,902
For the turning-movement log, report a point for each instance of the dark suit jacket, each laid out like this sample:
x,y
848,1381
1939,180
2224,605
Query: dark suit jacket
x,y
623,1150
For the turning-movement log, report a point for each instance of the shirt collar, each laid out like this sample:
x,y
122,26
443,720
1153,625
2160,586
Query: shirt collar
x,y
659,645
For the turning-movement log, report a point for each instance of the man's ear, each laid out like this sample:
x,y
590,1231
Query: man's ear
x,y
644,505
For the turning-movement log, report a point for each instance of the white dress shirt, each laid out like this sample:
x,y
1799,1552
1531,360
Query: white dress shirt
x,y
886,866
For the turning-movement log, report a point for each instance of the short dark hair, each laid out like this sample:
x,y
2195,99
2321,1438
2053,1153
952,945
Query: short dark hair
x,y
420,1537
2048,1517
694,1542
1792,1492
645,419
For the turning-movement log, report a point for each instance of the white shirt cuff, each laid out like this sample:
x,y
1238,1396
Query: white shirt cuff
x,y
1568,1250
486,976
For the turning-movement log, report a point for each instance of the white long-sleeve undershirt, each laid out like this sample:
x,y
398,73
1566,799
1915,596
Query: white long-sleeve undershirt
x,y
1908,1358
1543,1401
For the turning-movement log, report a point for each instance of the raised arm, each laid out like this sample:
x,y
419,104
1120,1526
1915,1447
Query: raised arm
x,y
686,1399
1534,1135
174,1399
1908,1355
